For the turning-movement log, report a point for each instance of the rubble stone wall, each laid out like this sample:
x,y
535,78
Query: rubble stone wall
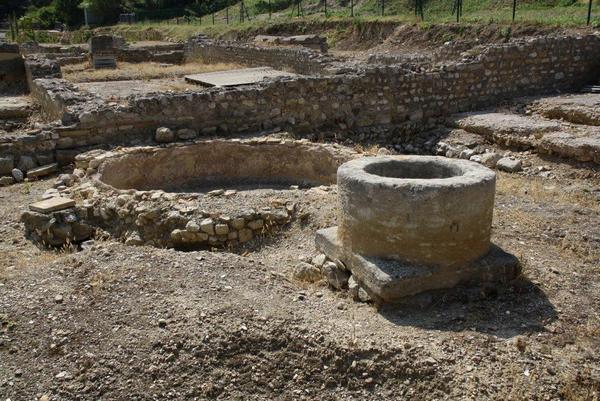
x,y
391,102
302,61
12,69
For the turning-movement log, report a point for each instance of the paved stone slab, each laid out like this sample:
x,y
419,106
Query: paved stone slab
x,y
580,147
578,109
245,76
52,205
14,107
491,124
390,280
42,171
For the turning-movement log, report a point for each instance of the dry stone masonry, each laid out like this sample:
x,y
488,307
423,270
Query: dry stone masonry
x,y
135,194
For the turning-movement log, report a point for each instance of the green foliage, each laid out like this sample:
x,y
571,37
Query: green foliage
x,y
262,6
41,18
69,11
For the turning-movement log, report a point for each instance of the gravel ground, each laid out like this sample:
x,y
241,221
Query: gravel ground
x,y
116,322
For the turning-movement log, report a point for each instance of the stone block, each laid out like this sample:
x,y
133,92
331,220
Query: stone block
x,y
52,205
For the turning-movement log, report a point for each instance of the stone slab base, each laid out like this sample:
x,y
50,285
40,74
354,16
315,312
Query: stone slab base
x,y
390,280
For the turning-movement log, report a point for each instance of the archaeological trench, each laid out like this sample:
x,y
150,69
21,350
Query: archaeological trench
x,y
184,162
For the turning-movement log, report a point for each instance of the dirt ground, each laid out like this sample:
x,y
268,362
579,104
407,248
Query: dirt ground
x,y
117,322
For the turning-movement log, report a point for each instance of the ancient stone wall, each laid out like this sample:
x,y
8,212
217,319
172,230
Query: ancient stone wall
x,y
302,61
381,104
135,55
12,69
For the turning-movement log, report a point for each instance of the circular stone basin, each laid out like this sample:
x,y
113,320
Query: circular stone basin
x,y
418,209
219,164
174,195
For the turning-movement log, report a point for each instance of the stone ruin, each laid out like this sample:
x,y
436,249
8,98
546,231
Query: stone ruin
x,y
102,51
405,225
315,42
408,224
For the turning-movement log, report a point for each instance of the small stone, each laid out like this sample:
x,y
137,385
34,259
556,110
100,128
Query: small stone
x,y
164,135
42,171
509,165
230,193
134,239
192,226
176,235
245,234
186,133
58,299
221,229
319,260
490,159
238,223
353,288
162,323
336,277
17,175
216,192
307,272
5,181
256,224
64,375
363,296
208,226
466,154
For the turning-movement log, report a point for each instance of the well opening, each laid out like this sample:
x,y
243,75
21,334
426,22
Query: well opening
x,y
410,169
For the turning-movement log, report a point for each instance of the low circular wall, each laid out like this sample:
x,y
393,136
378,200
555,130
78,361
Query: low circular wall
x,y
419,209
162,195
221,162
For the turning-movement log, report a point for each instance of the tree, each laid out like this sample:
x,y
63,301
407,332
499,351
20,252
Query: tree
x,y
69,11
106,10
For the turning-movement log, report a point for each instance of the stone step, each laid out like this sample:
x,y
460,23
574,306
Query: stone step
x,y
577,108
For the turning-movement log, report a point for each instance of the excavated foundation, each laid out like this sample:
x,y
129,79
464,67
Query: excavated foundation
x,y
212,193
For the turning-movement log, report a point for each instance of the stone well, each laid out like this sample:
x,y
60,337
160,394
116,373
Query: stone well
x,y
408,224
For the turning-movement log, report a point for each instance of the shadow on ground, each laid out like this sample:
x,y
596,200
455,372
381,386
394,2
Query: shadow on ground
x,y
520,307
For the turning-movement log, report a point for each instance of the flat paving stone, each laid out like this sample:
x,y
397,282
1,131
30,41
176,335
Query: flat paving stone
x,y
14,107
52,205
391,280
43,170
245,76
578,109
490,123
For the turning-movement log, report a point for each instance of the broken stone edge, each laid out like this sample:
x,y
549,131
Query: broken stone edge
x,y
389,281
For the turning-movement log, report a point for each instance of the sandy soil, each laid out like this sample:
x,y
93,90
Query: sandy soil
x,y
117,322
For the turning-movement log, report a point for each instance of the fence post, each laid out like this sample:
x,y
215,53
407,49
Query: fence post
x,y
213,18
298,2
514,10
269,9
352,8
382,8
589,16
12,28
227,15
325,6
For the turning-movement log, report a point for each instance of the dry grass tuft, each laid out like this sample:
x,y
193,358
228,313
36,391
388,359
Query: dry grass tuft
x,y
77,73
542,191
